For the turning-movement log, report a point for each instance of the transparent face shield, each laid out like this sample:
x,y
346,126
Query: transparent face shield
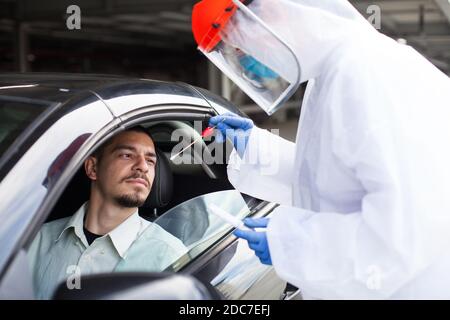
x,y
256,60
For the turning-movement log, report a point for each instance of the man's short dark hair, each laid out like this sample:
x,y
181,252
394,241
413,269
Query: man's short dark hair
x,y
98,153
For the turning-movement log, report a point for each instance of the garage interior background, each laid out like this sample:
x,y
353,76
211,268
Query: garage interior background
x,y
152,39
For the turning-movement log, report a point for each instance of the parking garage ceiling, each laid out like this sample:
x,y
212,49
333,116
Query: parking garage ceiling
x,y
165,24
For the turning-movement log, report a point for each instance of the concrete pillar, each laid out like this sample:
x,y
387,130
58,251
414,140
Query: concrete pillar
x,y
226,87
214,79
21,44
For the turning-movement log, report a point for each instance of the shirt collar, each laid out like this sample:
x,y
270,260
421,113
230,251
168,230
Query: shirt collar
x,y
76,222
122,236
125,233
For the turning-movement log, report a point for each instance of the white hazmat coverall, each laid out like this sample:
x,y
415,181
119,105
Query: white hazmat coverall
x,y
364,192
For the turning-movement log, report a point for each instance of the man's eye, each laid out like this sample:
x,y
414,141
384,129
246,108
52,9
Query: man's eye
x,y
126,155
150,162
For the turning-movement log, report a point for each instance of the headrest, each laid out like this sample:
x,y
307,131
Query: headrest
x,y
162,187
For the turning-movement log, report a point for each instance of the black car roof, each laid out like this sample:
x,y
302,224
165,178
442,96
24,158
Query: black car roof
x,y
66,80
60,88
79,82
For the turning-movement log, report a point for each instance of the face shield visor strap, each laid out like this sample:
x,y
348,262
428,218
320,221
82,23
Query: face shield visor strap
x,y
269,93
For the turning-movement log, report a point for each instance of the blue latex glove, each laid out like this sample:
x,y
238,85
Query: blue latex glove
x,y
233,127
257,240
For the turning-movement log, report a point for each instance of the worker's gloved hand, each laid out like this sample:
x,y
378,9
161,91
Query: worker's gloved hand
x,y
257,240
233,127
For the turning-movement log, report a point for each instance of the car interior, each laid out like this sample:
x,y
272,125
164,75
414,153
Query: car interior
x,y
174,183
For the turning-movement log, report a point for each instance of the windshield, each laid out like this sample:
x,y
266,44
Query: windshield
x,y
196,226
16,114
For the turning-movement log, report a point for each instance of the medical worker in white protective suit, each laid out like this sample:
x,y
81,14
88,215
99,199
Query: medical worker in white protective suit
x,y
364,192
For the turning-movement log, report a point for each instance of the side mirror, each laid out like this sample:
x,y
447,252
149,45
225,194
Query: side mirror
x,y
138,286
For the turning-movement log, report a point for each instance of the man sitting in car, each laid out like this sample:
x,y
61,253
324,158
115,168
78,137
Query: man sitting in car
x,y
106,234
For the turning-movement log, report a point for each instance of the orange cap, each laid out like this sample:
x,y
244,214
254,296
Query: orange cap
x,y
208,18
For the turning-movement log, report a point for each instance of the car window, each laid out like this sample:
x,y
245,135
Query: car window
x,y
15,116
196,226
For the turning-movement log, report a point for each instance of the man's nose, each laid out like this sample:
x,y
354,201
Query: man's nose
x,y
141,164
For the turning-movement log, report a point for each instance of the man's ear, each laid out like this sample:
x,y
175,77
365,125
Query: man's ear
x,y
90,166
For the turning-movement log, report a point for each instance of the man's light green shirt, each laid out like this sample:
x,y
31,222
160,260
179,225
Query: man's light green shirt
x,y
60,251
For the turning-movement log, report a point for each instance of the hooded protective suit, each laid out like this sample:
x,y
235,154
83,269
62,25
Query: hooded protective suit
x,y
364,192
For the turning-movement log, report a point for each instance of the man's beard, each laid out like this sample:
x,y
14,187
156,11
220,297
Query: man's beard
x,y
130,200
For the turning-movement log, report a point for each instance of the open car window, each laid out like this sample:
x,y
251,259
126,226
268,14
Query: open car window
x,y
196,226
